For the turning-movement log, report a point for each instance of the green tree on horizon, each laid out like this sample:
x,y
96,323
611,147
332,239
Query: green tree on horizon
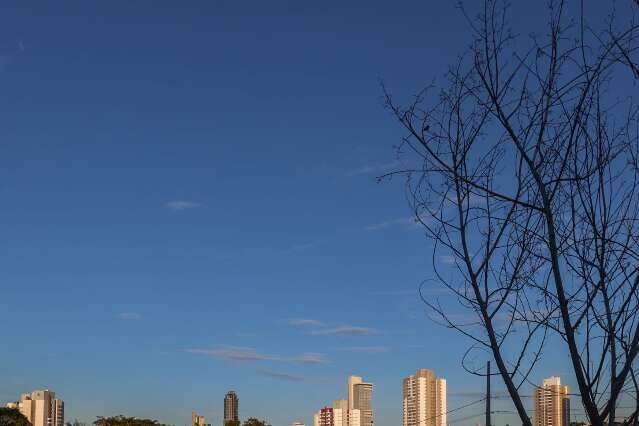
x,y
12,417
252,421
121,420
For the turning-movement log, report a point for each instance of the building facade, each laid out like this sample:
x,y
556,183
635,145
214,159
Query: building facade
x,y
197,420
424,399
350,390
231,407
324,417
363,395
41,408
355,410
552,403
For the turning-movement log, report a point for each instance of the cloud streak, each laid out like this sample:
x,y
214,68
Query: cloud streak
x,y
374,168
345,330
280,376
305,322
402,221
181,205
365,349
308,358
129,316
234,353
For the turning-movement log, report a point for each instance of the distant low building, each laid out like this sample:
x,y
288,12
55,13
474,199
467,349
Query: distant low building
x,y
41,408
197,420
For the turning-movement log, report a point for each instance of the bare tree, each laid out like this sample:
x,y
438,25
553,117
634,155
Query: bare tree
x,y
527,179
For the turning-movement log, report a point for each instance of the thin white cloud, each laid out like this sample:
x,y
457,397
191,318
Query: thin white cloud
x,y
309,358
405,292
234,353
407,222
374,168
303,246
129,316
4,61
306,322
446,259
181,205
365,349
345,330
280,376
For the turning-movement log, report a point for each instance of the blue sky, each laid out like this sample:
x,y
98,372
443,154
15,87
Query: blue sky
x,y
179,183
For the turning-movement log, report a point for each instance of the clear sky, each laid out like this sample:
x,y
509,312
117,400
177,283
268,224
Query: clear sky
x,y
179,183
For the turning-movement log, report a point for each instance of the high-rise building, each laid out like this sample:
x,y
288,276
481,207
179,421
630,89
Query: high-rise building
x,y
552,403
350,390
231,407
363,395
298,424
424,399
359,402
197,420
41,408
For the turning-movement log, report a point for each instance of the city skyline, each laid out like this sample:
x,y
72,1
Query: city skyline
x,y
424,404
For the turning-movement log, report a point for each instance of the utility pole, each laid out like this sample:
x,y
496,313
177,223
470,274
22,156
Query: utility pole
x,y
488,394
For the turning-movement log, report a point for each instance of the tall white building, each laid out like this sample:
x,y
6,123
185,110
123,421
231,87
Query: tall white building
x,y
360,395
424,399
340,412
41,408
350,390
552,403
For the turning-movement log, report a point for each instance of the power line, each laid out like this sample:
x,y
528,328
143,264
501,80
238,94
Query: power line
x,y
452,410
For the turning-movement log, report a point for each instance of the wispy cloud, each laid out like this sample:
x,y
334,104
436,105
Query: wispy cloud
x,y
345,330
400,292
181,205
408,222
306,322
280,376
374,168
4,61
365,349
303,246
308,358
233,353
129,316
446,259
